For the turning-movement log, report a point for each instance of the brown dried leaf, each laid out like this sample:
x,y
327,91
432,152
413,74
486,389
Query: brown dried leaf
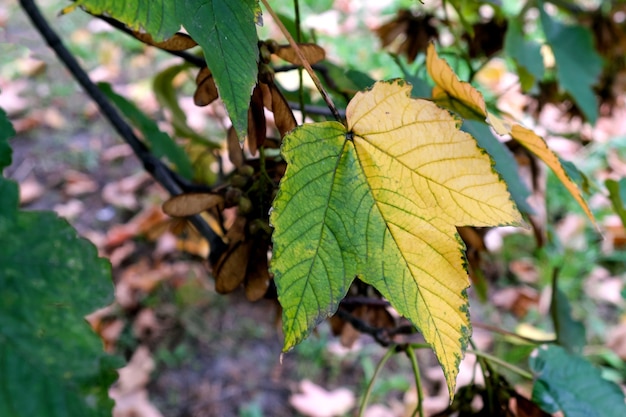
x,y
283,116
488,38
267,95
315,401
136,374
349,335
206,92
375,316
78,183
258,276
527,408
312,52
30,190
192,203
235,153
517,300
413,33
178,42
257,128
230,271
336,325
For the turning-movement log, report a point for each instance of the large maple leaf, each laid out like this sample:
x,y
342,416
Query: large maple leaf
x,y
380,199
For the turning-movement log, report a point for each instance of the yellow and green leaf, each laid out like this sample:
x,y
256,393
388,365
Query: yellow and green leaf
x,y
382,198
464,99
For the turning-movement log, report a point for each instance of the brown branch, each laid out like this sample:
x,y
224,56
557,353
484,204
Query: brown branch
x,y
153,165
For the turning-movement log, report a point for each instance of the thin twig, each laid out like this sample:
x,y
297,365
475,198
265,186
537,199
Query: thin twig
x,y
304,61
378,333
159,171
296,9
318,110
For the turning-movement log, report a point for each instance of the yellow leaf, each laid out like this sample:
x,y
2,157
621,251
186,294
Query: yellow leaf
x,y
535,144
448,84
458,95
381,199
427,177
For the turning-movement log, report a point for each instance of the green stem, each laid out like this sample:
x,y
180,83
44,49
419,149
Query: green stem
x,y
503,332
370,386
296,7
554,308
419,410
500,362
305,62
416,346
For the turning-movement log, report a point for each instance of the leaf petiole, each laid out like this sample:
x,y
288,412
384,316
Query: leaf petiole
x,y
368,392
419,410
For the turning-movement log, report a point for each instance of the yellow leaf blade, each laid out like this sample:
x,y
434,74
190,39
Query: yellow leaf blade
x,y
449,84
535,144
418,149
426,177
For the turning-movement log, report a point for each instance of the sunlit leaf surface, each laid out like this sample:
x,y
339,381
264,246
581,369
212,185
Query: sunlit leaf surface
x,y
381,200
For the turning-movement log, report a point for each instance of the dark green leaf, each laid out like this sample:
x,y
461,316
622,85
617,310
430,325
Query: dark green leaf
x,y
166,96
226,31
576,175
157,17
51,362
570,333
573,385
617,192
161,143
526,53
6,132
578,64
348,80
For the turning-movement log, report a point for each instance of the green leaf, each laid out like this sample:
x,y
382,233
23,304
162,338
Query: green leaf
x,y
51,362
161,143
157,17
573,385
526,53
504,162
570,333
6,132
380,199
226,31
166,96
617,193
576,175
578,64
